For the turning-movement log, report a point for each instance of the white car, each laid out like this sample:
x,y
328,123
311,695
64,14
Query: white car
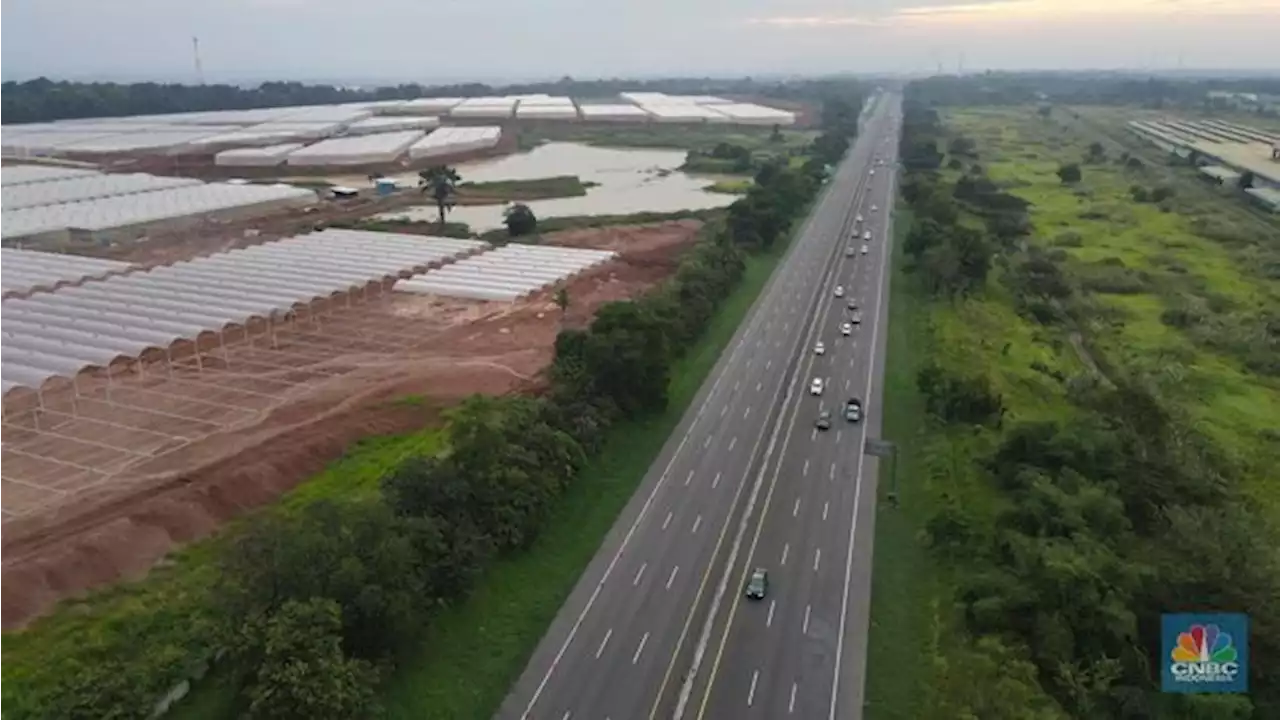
x,y
859,218
819,349
848,252
846,329
864,249
839,291
873,171
815,387
874,208
866,236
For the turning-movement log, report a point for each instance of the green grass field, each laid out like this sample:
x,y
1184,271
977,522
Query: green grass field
x,y
1159,258
501,191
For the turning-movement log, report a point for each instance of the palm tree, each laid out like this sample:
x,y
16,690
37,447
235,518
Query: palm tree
x,y
442,182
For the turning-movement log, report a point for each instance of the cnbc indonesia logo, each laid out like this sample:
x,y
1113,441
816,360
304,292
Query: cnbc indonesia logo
x,y
1205,657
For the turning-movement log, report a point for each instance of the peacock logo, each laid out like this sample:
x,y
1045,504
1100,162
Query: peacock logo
x,y
1204,644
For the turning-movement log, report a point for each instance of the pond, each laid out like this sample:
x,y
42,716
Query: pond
x,y
627,181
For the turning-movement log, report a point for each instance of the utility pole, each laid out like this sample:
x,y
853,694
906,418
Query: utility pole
x,y
195,51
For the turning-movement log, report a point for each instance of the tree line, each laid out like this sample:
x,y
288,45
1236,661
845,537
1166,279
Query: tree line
x,y
316,606
1116,513
1086,88
43,99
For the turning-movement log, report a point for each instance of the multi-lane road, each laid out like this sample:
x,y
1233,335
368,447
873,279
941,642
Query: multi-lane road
x,y
657,625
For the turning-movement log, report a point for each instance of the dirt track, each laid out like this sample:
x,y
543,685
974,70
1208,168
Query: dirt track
x,y
167,458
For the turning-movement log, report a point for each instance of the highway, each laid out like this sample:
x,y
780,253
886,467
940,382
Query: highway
x,y
657,624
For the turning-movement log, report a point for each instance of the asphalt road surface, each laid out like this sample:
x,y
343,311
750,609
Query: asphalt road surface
x,y
657,624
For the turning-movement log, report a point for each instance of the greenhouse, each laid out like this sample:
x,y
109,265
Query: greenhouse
x,y
752,114
453,140
26,174
269,156
23,271
86,187
507,273
370,126
613,113
129,211
360,150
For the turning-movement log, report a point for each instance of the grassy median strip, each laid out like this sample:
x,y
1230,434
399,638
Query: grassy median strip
x,y
474,652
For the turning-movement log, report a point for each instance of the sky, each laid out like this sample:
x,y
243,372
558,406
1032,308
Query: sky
x,y
492,40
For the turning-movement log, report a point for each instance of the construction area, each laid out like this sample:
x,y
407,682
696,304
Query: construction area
x,y
145,406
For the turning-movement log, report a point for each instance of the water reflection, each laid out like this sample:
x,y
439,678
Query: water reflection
x,y
629,181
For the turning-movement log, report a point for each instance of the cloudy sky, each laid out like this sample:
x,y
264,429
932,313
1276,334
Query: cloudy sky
x,y
438,40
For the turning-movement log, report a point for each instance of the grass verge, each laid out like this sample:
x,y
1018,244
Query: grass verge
x,y
501,191
475,651
900,605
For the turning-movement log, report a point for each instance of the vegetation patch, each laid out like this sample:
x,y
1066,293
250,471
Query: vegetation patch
x,y
502,191
1077,390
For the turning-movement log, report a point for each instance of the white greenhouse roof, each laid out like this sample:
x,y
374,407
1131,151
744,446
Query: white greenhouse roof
x,y
47,142
534,100
641,98
612,112
137,141
92,325
86,188
359,150
374,125
554,112
128,210
449,140
323,113
752,112
269,156
683,113
24,174
507,273
427,106
26,270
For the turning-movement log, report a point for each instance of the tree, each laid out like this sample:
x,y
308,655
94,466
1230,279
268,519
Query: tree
x,y
561,299
627,356
304,674
1246,180
1070,173
442,182
520,220
775,135
1097,153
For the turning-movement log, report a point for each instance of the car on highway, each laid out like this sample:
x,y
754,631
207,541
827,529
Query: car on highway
x,y
819,349
873,171
866,236
874,208
824,420
864,250
853,410
816,387
853,304
846,328
859,218
839,291
758,585
857,318
848,252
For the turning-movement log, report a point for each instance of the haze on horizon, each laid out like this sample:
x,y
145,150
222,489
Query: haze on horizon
x,y
451,40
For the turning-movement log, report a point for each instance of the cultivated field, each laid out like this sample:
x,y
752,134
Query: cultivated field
x,y
101,484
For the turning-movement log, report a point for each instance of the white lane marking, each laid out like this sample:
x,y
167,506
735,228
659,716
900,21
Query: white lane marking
x,y
813,436
667,522
791,704
603,643
850,362
636,658
697,523
795,510
759,385
639,574
746,413
725,408
769,363
824,510
688,478
846,388
831,472
838,434
751,694
768,622
737,383
805,628
733,441
715,481
817,558
672,577
706,443
806,468
857,493
567,714
785,550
